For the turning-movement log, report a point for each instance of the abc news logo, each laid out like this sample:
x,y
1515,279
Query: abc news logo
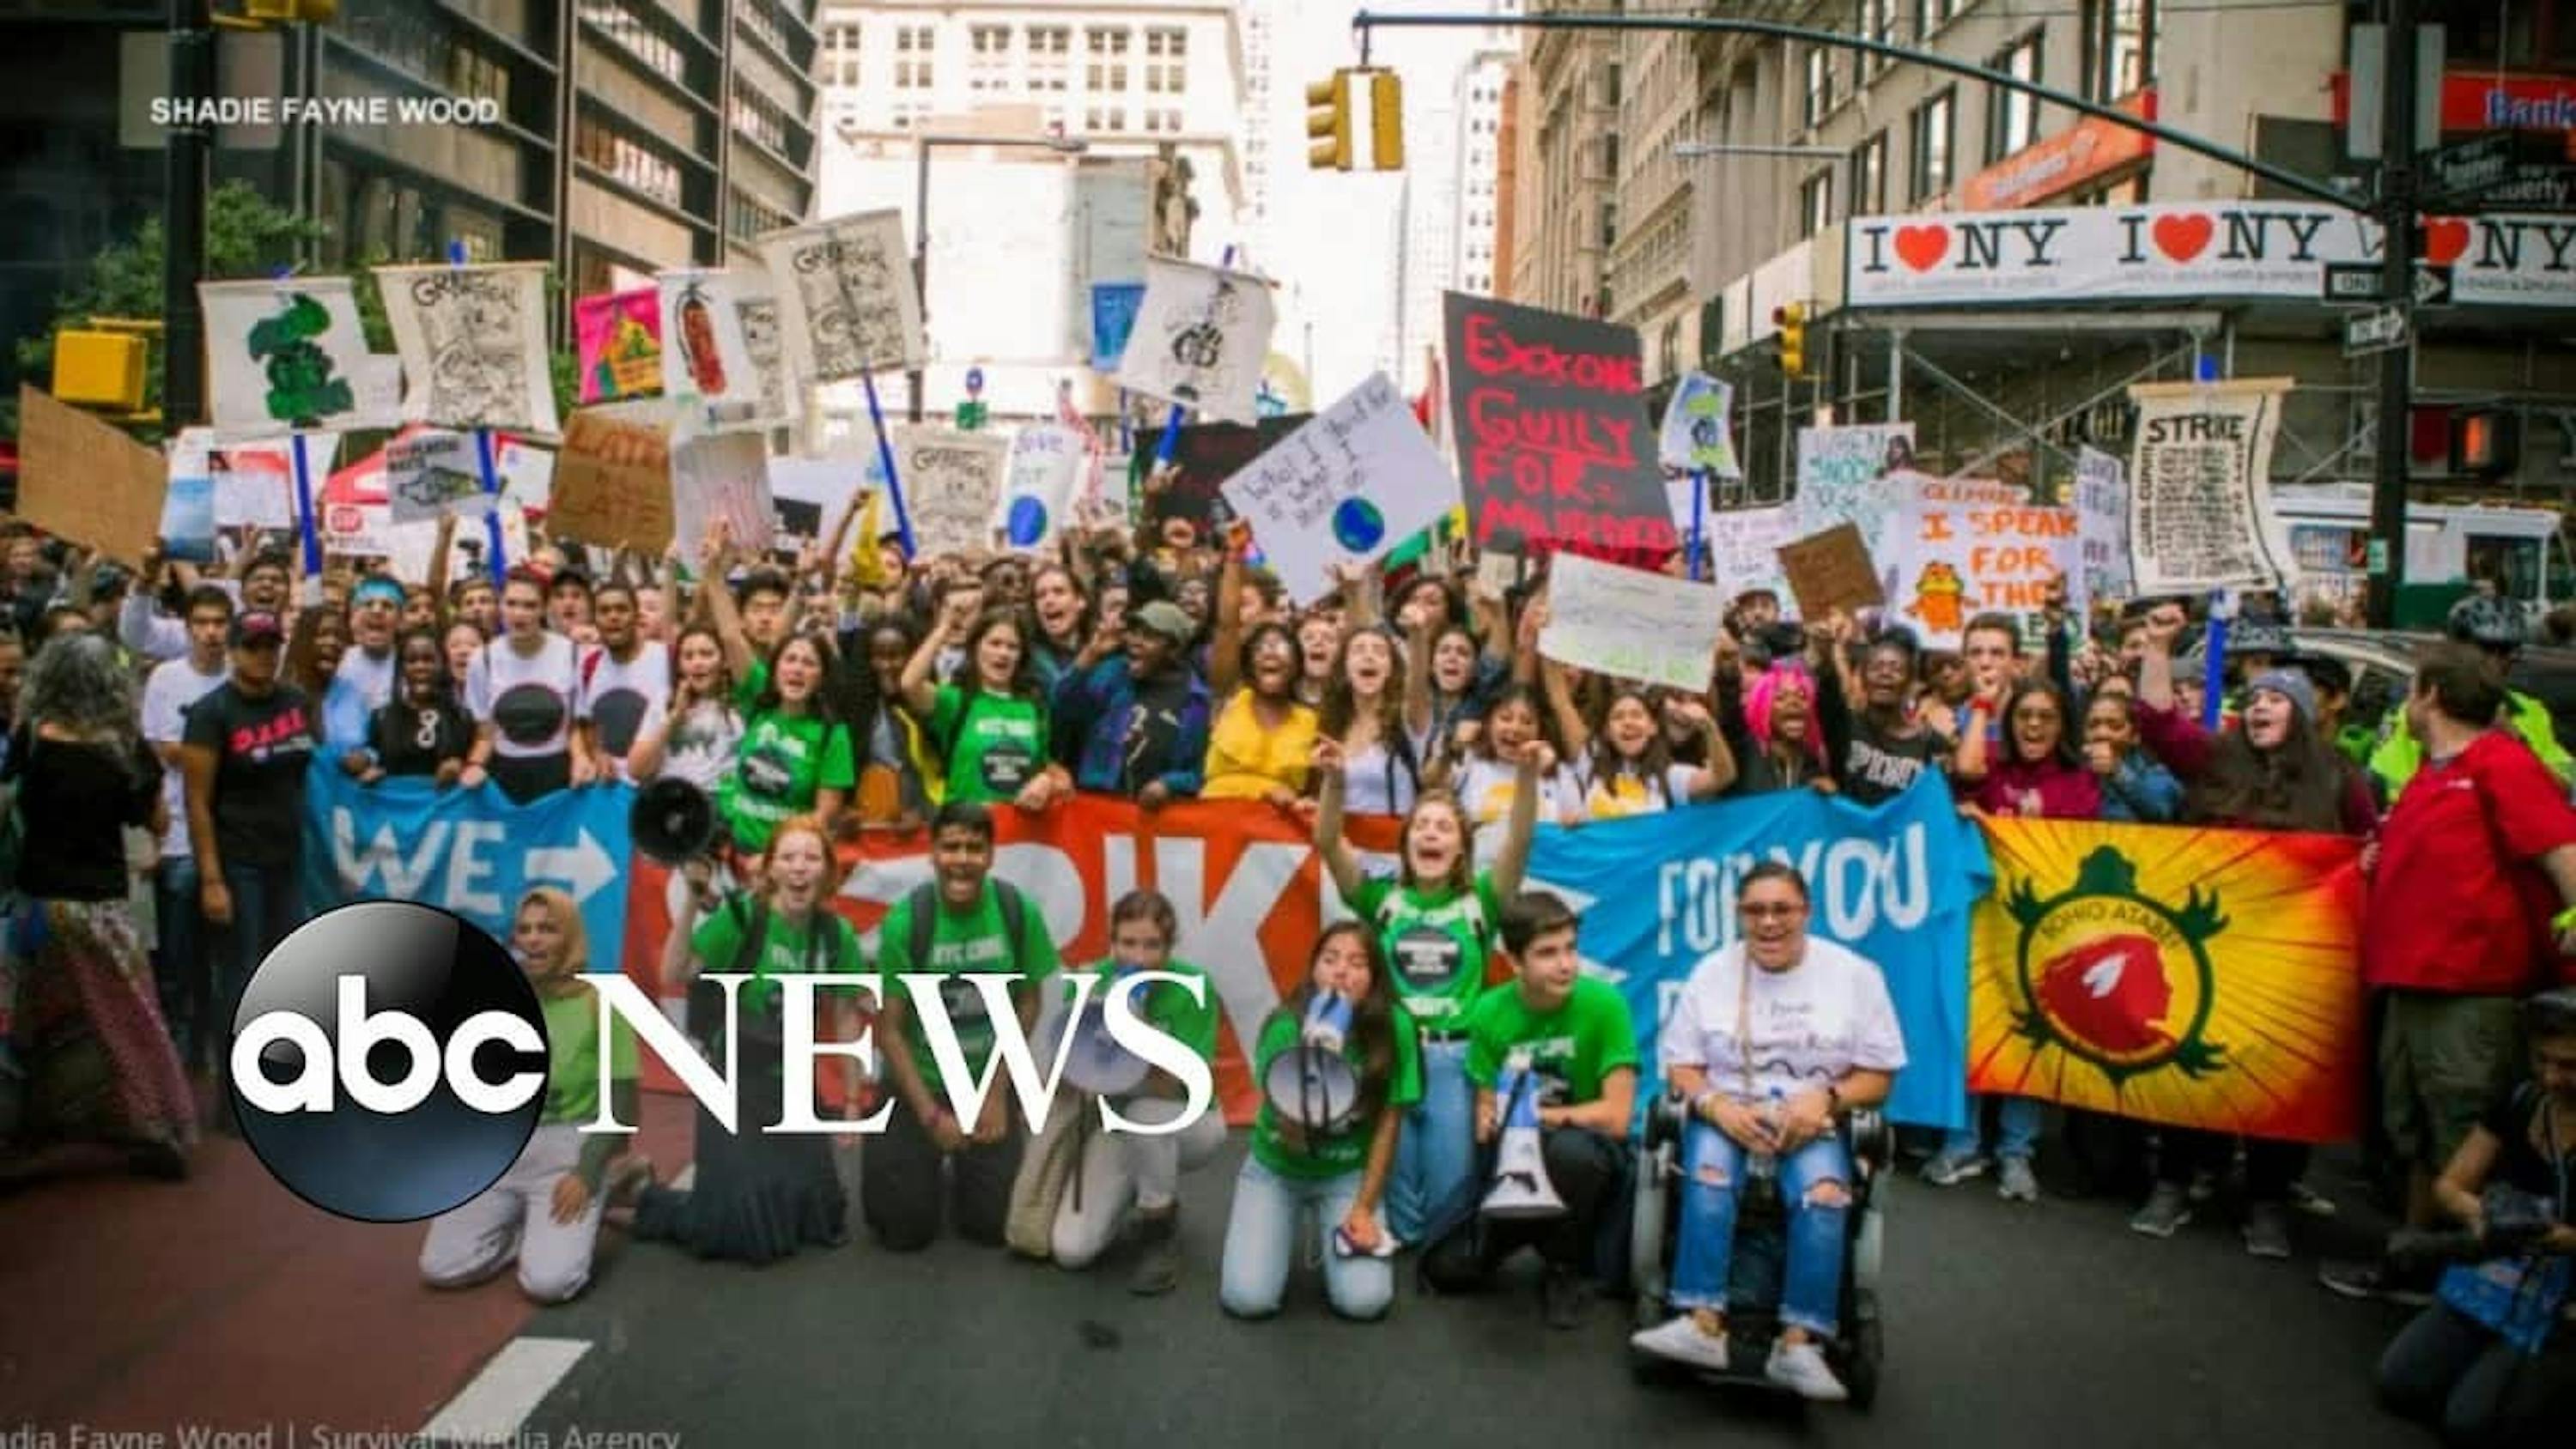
x,y
391,1060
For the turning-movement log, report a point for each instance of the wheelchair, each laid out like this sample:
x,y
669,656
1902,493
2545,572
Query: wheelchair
x,y
1857,1351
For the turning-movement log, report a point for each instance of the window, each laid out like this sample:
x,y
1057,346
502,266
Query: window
x,y
1815,203
1050,56
1107,48
1869,177
1934,124
1877,22
640,39
2119,47
1931,15
625,162
840,56
1167,49
1105,118
2012,118
913,47
1820,85
988,64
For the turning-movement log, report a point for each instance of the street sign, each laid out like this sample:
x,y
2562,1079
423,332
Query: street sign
x,y
2382,330
2534,188
2359,284
2432,286
2468,168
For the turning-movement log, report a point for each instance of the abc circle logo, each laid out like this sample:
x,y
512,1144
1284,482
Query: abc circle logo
x,y
389,1061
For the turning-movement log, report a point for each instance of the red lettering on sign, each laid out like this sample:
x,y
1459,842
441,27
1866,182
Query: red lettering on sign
x,y
1492,352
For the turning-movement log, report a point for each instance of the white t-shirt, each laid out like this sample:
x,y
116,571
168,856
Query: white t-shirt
x,y
702,744
617,698
373,678
1595,797
174,685
527,701
1827,1015
1486,788
1376,782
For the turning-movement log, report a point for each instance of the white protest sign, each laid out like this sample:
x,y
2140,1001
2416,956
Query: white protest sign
x,y
2101,531
1743,548
1037,492
473,345
723,476
949,480
1965,547
1842,475
2200,489
708,360
1630,624
846,304
1698,433
288,354
1359,478
254,483
1199,339
809,496
527,474
430,472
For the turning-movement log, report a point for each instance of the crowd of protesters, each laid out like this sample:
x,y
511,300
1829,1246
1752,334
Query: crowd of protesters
x,y
162,724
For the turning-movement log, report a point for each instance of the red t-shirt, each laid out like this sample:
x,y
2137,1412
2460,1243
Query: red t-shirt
x,y
2451,902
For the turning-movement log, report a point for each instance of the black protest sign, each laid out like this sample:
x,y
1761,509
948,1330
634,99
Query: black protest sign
x,y
1203,457
1554,446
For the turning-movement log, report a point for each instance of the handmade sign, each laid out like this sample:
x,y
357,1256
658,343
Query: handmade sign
x,y
354,514
1554,447
707,317
1037,491
1971,546
2200,487
1832,570
846,303
473,344
2101,530
1199,338
725,476
430,471
188,509
285,354
1843,473
612,484
1629,623
1698,434
253,482
1744,549
86,480
950,480
527,473
619,337
1113,321
1356,480
1204,455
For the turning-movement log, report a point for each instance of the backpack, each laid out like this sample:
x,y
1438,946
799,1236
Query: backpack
x,y
924,901
706,999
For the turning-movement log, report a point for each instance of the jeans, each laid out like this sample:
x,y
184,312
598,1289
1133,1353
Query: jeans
x,y
2271,1168
181,961
2447,1369
1438,1149
1586,1168
1713,1173
1261,1238
268,904
2017,1121
903,1188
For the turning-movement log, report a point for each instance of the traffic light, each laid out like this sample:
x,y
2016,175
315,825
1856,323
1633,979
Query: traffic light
x,y
99,369
289,12
1792,320
1365,137
1328,123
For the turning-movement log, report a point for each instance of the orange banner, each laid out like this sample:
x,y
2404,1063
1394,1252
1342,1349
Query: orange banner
x,y
2199,978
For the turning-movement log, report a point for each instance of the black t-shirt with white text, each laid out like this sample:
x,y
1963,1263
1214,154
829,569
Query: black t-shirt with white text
x,y
262,747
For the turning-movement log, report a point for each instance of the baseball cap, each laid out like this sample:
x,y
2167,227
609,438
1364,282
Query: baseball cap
x,y
257,627
1165,618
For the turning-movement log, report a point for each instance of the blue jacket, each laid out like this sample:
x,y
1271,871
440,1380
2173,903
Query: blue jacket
x,y
1095,714
2141,791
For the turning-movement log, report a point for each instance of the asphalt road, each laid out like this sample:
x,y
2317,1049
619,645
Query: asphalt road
x,y
2007,1325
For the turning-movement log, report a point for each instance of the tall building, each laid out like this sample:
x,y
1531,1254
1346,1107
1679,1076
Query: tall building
x,y
1261,121
1481,87
1649,274
1569,115
1427,246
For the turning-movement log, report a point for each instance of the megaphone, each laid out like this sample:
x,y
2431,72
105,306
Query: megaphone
x,y
1096,1062
1521,1188
1314,1086
672,821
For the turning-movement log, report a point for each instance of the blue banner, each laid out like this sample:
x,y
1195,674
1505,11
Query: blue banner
x,y
1113,316
469,851
1894,883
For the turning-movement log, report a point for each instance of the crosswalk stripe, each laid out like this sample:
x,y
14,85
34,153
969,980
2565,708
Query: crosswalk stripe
x,y
497,1403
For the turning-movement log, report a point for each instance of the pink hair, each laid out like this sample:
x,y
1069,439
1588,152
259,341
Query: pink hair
x,y
1764,691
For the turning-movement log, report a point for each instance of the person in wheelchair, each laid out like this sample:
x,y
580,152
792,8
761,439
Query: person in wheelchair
x,y
2487,1360
1773,1040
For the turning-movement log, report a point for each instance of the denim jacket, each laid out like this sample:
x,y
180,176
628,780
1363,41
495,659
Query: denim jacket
x,y
2141,791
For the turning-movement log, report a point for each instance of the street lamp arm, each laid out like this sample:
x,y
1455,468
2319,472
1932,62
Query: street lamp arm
x,y
1364,22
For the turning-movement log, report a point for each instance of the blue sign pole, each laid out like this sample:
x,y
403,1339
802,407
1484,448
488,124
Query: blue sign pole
x,y
496,549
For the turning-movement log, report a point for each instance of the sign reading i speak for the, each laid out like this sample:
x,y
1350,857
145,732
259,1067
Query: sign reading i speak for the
x,y
1355,481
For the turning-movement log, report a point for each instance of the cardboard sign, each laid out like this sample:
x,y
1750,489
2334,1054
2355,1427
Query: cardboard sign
x,y
1832,570
1347,487
949,480
1629,623
1199,338
1972,546
1203,457
618,336
287,355
612,483
1555,450
2200,487
86,480
846,303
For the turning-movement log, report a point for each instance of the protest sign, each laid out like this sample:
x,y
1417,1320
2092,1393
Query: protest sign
x,y
1198,339
1832,570
1744,549
1204,455
1037,488
2101,531
353,512
1971,546
1113,321
527,473
846,304
1841,478
1629,623
612,481
188,509
1699,430
617,337
2207,979
1554,447
431,471
2200,487
473,344
1358,479
950,480
254,482
86,480
725,476
287,354
710,321
809,495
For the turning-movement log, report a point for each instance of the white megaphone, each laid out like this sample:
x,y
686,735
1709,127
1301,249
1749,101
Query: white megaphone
x,y
1521,1187
1095,1062
1313,1085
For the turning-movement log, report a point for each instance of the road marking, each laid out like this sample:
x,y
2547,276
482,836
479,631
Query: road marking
x,y
493,1407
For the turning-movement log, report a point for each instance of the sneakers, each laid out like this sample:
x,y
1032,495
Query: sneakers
x,y
2367,1280
2267,1229
2015,1182
1158,1271
1562,1297
2165,1212
1801,1369
2308,1200
1681,1340
1949,1169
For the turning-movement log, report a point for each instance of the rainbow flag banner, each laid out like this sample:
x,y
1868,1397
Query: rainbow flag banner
x,y
2198,978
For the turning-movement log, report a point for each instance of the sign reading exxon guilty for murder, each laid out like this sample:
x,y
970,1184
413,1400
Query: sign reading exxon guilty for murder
x,y
1554,446
2171,252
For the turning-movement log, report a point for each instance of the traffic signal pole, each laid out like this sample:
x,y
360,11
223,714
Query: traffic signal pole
x,y
2397,190
190,148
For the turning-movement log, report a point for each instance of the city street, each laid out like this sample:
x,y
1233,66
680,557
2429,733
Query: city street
x,y
224,1302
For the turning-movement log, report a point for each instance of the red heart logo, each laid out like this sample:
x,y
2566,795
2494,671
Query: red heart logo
x,y
1922,247
2183,237
2445,241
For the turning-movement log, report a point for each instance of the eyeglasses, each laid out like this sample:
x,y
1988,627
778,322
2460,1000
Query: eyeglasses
x,y
1763,911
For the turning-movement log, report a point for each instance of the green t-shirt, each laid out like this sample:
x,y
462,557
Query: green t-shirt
x,y
783,949
1167,1008
1571,1048
1436,943
971,942
1342,1152
996,744
572,1056
785,759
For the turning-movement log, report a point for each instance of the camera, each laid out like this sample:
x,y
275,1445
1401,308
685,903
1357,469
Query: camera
x,y
2515,1220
